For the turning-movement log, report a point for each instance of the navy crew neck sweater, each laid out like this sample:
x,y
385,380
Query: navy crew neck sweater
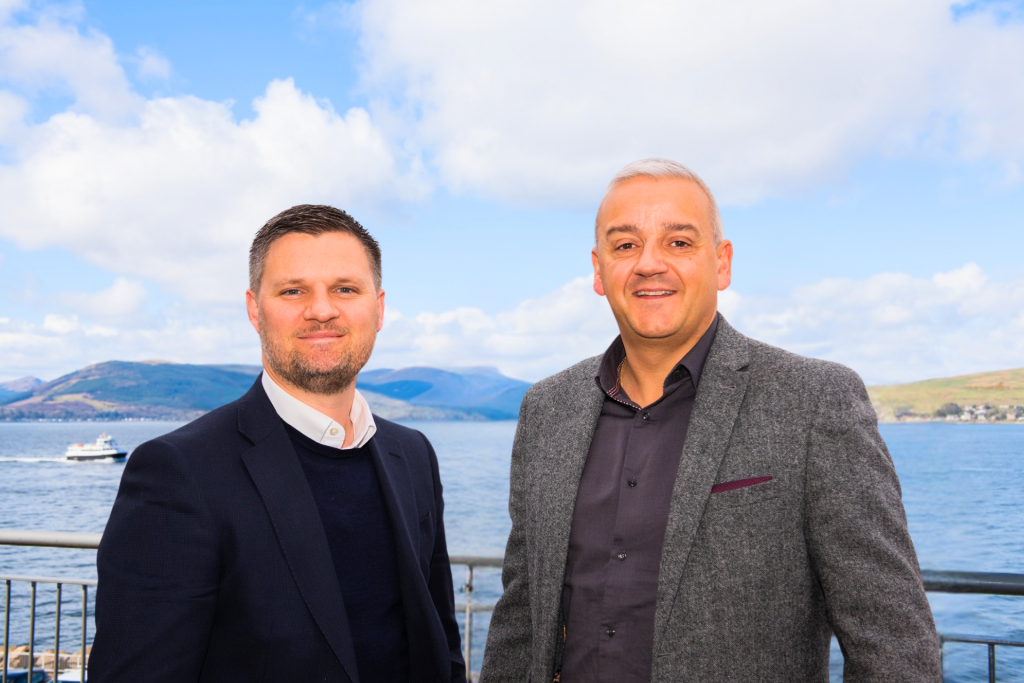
x,y
351,503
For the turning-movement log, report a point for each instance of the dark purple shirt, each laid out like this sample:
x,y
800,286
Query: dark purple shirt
x,y
618,525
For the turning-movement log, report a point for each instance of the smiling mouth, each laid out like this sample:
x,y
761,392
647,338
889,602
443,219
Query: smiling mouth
x,y
322,335
654,292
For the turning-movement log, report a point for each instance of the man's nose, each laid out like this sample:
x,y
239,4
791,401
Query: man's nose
x,y
651,261
321,308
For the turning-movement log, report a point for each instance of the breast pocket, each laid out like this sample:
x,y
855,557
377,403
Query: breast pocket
x,y
750,495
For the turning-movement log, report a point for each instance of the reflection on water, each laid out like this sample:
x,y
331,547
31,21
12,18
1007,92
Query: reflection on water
x,y
963,488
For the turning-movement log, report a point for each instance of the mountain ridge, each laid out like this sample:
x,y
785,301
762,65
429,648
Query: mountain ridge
x,y
180,391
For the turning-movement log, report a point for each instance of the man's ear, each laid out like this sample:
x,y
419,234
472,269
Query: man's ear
x,y
253,309
598,285
724,264
380,310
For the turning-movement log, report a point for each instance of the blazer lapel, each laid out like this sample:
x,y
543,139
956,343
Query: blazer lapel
x,y
723,384
281,482
400,498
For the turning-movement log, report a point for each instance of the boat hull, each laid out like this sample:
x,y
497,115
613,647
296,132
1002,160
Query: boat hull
x,y
119,455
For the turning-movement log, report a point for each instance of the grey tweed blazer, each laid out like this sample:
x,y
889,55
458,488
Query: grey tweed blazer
x,y
753,581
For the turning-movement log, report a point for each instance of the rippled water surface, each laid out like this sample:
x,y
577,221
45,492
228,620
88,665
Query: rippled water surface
x,y
963,488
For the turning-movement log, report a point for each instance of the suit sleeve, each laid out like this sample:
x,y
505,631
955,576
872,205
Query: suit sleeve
x,y
860,546
440,585
158,574
508,654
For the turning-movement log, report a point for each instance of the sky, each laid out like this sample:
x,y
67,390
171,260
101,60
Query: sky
x,y
868,158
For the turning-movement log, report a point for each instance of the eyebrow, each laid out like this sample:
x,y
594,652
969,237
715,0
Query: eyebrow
x,y
302,281
668,227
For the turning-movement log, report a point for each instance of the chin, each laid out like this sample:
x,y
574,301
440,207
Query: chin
x,y
656,329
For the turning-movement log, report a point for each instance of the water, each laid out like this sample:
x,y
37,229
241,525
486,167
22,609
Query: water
x,y
963,489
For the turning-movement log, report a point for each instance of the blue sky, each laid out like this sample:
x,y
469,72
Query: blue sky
x,y
867,158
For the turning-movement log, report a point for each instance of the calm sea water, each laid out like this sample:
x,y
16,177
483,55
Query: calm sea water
x,y
963,489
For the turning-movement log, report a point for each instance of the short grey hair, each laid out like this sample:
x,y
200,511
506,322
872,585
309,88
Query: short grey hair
x,y
661,169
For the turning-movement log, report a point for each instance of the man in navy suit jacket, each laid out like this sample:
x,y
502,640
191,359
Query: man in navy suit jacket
x,y
290,535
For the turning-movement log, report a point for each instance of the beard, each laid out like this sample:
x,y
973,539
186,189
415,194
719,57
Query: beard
x,y
329,376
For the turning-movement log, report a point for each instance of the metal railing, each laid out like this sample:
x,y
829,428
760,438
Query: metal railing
x,y
977,583
47,539
981,583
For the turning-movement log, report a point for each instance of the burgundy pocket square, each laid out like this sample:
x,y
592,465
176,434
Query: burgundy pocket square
x,y
738,484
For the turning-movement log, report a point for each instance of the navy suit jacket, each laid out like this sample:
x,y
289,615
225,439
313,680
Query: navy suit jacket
x,y
214,565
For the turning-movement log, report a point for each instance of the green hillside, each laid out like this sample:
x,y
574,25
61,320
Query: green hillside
x,y
918,400
119,389
161,390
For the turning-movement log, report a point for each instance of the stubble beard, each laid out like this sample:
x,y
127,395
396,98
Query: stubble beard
x,y
300,370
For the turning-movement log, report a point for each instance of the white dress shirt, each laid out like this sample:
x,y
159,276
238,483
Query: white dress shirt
x,y
312,423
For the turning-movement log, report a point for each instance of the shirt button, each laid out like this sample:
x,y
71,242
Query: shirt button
x,y
646,415
610,632
632,483
621,556
334,431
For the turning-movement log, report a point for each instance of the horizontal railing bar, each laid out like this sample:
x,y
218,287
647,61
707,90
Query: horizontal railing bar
x,y
973,582
48,579
477,561
50,539
978,640
934,581
476,608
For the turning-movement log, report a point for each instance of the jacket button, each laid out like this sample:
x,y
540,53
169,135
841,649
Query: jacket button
x,y
646,415
632,483
610,632
621,556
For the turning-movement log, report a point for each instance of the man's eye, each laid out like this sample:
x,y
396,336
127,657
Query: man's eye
x,y
680,243
290,292
626,245
345,290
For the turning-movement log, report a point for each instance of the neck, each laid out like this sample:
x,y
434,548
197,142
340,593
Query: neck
x,y
649,361
336,406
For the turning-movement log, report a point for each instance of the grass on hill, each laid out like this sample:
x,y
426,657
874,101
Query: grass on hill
x,y
1002,387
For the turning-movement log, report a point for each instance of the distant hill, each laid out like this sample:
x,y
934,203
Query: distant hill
x,y
481,391
162,390
918,400
18,388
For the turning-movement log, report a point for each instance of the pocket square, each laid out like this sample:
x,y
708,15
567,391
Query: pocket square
x,y
738,484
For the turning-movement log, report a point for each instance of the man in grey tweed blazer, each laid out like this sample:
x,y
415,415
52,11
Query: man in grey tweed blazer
x,y
695,505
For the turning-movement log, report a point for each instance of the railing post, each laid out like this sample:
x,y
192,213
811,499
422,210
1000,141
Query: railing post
x,y
991,663
85,616
942,654
467,640
32,634
56,634
7,628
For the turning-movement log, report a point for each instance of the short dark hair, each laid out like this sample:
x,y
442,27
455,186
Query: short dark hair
x,y
309,219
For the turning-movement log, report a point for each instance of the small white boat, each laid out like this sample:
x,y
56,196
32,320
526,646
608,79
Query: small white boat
x,y
104,447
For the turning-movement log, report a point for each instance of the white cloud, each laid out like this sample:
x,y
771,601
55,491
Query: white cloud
x,y
539,101
169,189
60,324
177,197
123,299
890,327
151,64
537,337
53,53
893,327
63,343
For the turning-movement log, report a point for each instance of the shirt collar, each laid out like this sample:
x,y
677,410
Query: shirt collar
x,y
310,422
692,363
